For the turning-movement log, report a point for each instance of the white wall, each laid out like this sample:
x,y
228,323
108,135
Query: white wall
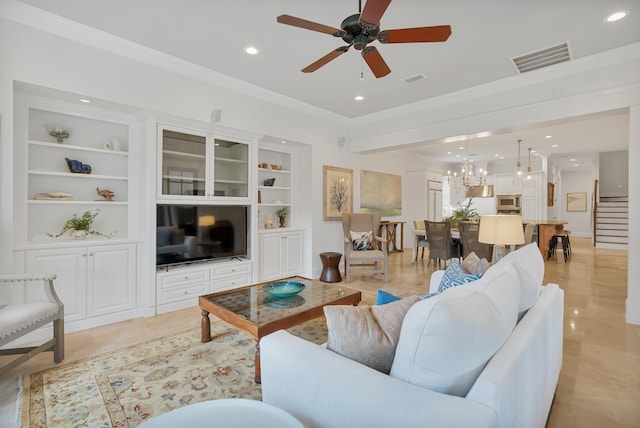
x,y
614,173
633,269
579,221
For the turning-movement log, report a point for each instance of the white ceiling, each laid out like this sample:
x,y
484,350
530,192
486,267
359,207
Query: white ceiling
x,y
485,36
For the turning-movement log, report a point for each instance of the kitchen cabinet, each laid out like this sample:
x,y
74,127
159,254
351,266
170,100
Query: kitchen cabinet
x,y
280,253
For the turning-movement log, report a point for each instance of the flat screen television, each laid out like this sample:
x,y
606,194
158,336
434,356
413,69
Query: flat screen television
x,y
191,233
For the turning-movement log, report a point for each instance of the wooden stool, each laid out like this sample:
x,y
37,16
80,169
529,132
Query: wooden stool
x,y
330,262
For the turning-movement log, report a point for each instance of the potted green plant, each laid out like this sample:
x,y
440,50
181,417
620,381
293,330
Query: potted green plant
x,y
282,215
80,226
464,213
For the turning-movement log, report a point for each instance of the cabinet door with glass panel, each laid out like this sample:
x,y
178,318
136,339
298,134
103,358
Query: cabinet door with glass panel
x,y
196,164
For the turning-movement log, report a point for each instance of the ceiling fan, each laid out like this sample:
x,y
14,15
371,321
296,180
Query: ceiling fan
x,y
361,29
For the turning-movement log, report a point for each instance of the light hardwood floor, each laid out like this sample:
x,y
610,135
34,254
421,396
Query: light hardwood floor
x,y
600,378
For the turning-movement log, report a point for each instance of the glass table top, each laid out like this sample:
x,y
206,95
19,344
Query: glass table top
x,y
259,307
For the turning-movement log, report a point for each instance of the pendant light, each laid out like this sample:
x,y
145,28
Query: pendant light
x,y
519,164
529,166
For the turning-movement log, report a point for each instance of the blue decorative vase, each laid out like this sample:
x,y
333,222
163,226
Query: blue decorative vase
x,y
78,167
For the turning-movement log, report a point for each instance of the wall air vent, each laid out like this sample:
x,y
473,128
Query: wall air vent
x,y
542,58
413,78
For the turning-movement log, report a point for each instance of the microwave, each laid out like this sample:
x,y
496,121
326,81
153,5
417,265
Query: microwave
x,y
508,202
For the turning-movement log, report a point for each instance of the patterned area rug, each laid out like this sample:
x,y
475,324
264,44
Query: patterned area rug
x,y
123,388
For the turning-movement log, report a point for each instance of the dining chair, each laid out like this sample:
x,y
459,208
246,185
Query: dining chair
x,y
441,244
363,246
421,241
469,239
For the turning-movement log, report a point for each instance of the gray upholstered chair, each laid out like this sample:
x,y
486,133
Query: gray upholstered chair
x,y
469,240
422,241
441,245
18,319
364,222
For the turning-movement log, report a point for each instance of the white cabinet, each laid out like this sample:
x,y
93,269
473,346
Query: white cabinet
x,y
281,253
179,287
196,164
92,280
274,186
65,155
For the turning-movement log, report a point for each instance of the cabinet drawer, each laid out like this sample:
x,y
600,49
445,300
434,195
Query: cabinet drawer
x,y
236,269
233,282
173,279
191,291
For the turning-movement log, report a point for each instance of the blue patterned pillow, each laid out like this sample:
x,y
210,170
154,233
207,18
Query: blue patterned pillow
x,y
385,297
455,275
362,240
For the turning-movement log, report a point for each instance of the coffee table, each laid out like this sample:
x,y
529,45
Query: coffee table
x,y
257,313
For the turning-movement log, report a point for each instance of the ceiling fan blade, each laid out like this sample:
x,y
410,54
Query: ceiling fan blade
x,y
375,62
438,33
325,59
372,12
309,25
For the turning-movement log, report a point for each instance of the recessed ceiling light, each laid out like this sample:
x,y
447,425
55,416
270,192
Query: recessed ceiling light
x,y
283,142
575,164
251,50
457,156
84,100
497,155
501,157
616,16
547,136
572,159
448,153
358,98
554,145
461,148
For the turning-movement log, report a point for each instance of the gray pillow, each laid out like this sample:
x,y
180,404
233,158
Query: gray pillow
x,y
367,334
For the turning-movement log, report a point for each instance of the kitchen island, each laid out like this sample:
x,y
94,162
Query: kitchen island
x,y
546,229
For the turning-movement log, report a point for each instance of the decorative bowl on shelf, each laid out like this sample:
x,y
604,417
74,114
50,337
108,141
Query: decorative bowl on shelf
x,y
283,288
269,181
58,132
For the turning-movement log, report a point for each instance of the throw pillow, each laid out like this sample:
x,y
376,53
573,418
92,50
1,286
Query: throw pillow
x,y
361,240
474,264
367,334
454,276
385,297
447,340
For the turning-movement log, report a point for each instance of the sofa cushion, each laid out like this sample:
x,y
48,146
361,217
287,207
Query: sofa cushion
x,y
362,240
163,235
529,264
454,276
446,341
367,334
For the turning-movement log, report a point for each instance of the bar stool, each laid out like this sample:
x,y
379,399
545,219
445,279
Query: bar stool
x,y
562,238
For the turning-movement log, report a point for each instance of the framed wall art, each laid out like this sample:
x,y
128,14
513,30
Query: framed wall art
x,y
381,192
337,192
577,201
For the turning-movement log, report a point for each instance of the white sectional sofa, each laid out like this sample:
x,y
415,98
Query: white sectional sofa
x,y
485,354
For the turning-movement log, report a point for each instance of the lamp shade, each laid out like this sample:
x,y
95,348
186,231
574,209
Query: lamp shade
x,y
501,230
206,220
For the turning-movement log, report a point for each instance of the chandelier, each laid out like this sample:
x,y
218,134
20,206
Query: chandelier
x,y
466,177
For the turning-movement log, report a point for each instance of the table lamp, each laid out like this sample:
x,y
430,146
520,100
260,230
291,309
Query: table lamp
x,y
500,230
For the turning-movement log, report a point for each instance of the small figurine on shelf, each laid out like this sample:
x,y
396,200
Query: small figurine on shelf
x,y
282,216
106,194
78,167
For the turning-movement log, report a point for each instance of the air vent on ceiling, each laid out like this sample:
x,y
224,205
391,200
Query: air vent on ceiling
x,y
413,78
542,58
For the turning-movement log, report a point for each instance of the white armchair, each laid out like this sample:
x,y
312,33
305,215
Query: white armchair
x,y
18,319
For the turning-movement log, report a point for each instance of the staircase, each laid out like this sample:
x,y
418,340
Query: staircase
x,y
612,223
